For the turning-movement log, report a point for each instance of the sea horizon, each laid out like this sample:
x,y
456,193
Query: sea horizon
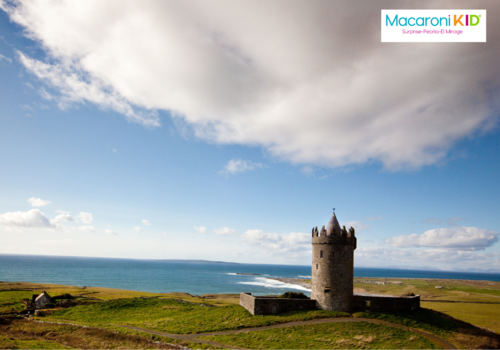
x,y
409,268
195,277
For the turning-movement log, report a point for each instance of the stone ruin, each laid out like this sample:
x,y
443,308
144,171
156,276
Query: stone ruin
x,y
331,280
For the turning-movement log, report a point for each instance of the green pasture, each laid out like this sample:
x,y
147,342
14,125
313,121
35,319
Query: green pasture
x,y
476,302
482,315
461,334
173,316
362,335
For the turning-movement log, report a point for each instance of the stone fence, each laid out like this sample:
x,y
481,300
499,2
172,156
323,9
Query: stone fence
x,y
365,302
272,305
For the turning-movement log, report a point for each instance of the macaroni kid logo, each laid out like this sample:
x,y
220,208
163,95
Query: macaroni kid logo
x,y
433,26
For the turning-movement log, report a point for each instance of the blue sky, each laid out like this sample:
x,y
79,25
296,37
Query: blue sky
x,y
224,143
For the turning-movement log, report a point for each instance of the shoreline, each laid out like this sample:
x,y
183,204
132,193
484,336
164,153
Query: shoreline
x,y
293,281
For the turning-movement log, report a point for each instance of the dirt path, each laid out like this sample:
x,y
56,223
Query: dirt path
x,y
195,337
183,337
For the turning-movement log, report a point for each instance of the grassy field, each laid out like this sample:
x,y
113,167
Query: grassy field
x,y
457,290
23,334
104,310
178,317
461,334
328,336
482,315
476,302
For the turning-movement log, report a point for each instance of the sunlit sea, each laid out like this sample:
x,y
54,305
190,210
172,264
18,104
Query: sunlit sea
x,y
164,276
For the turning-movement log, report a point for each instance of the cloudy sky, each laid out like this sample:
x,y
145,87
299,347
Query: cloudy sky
x,y
226,130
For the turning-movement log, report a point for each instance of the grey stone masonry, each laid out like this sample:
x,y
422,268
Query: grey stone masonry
x,y
257,305
331,280
333,266
42,299
367,302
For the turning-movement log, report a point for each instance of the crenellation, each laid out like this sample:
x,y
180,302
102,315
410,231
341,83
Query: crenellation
x,y
332,280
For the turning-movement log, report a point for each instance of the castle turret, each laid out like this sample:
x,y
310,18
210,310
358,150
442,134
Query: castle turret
x,y
332,266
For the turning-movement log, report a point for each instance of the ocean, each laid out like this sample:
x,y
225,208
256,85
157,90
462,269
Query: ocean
x,y
164,276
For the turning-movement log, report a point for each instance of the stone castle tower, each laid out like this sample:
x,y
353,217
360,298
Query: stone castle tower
x,y
332,266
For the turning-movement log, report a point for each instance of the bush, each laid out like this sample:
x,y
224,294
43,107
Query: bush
x,y
63,296
294,295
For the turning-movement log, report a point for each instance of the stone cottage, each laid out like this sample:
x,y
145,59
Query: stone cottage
x,y
41,299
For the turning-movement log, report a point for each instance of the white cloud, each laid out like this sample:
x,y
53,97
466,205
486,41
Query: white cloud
x,y
137,229
224,231
320,90
33,218
2,57
359,226
63,216
307,171
457,238
87,229
292,244
428,258
146,222
238,166
45,94
59,241
74,89
37,202
200,229
110,232
86,218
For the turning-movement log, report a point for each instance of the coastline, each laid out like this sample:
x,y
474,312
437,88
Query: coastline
x,y
294,281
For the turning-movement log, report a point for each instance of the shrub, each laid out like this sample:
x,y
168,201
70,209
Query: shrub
x,y
294,295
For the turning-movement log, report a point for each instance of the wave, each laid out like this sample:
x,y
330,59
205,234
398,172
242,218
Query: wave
x,y
232,274
309,277
269,283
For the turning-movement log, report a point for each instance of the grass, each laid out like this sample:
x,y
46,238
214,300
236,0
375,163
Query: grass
x,y
9,343
173,316
10,301
361,335
461,334
458,290
23,334
482,315
54,289
181,313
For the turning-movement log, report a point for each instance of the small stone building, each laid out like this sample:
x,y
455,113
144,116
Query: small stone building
x,y
331,280
41,299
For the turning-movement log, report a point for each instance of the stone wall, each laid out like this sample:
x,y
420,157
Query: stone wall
x,y
272,305
248,302
379,303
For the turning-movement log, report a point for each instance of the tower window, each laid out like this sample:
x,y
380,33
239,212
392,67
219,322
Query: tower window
x,y
316,266
321,254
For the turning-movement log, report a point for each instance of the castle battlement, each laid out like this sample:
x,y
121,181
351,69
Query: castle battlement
x,y
332,266
333,234
331,280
